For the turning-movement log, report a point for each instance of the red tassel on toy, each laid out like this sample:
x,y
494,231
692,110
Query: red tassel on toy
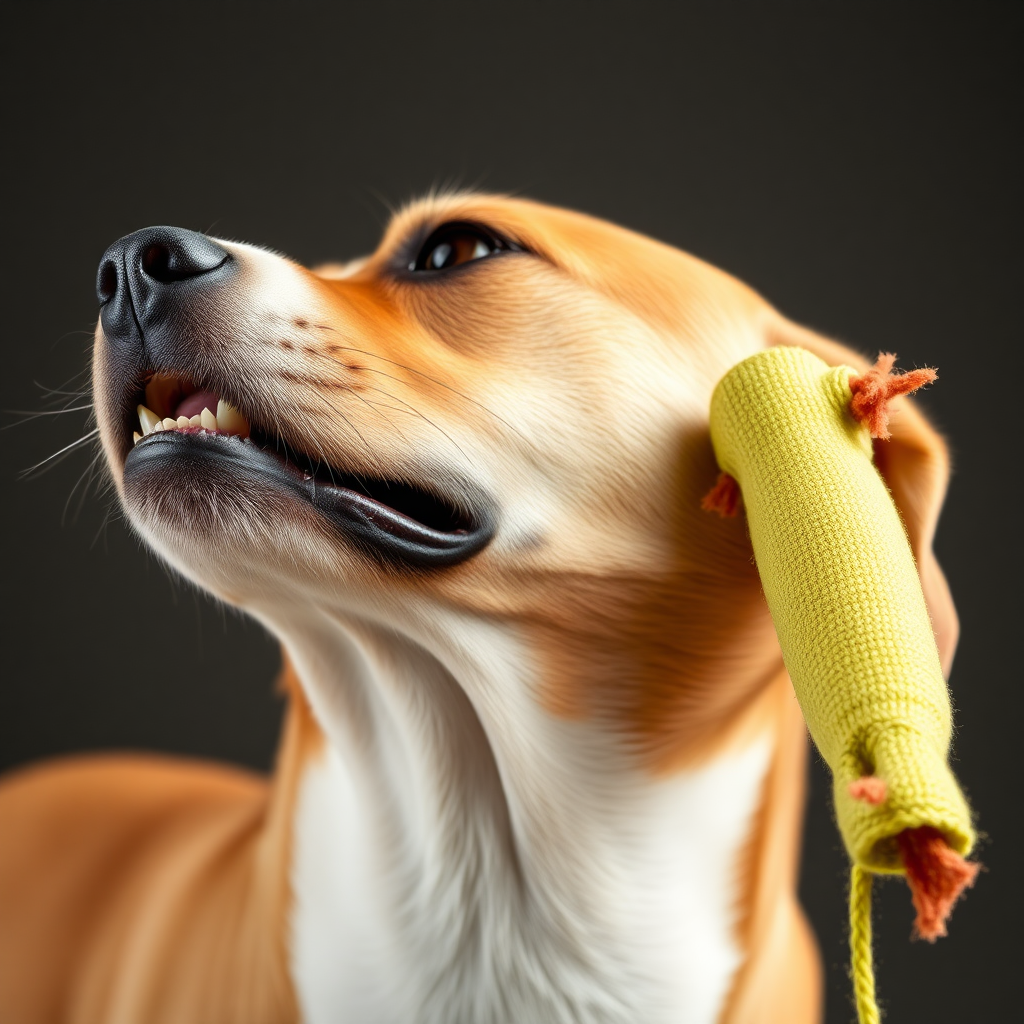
x,y
936,874
873,390
723,498
868,788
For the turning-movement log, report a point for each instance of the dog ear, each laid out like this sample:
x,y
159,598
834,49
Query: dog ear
x,y
915,466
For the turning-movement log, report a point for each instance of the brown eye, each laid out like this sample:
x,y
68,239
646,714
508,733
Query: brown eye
x,y
454,244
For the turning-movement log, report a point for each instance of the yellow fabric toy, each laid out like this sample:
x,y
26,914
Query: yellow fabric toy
x,y
843,590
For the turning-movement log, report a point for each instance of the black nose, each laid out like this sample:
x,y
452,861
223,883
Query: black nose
x,y
147,273
163,255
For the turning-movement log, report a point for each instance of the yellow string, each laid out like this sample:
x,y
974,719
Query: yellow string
x,y
861,966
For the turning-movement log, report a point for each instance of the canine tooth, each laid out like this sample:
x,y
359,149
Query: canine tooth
x,y
136,437
230,419
147,419
170,424
208,420
196,421
183,422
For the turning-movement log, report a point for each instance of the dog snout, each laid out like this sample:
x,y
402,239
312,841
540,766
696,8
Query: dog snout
x,y
150,274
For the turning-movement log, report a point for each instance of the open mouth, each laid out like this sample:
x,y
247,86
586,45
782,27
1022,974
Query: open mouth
x,y
180,424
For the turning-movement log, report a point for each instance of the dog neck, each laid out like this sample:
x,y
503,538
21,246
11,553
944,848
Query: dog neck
x,y
460,854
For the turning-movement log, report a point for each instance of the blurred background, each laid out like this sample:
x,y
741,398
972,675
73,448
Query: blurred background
x,y
858,164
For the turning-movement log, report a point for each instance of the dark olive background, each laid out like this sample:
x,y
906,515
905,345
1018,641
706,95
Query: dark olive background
x,y
859,164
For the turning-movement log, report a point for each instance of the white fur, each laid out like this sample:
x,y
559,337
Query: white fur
x,y
482,861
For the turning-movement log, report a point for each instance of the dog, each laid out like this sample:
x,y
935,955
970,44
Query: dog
x,y
542,761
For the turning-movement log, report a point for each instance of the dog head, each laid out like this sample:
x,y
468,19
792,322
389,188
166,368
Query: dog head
x,y
503,410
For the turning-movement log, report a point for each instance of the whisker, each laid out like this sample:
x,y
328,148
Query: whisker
x,y
107,516
323,456
322,461
279,434
392,408
426,419
29,416
59,454
355,394
408,407
392,208
411,408
426,376
89,332
83,375
52,394
89,470
348,422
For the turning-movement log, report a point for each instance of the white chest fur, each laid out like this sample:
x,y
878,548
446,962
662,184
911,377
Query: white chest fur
x,y
637,924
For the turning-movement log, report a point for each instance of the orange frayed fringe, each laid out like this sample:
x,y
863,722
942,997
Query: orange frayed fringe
x,y
873,390
936,874
868,788
723,498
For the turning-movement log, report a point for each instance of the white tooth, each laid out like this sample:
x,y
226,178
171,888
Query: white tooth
x,y
208,420
159,426
231,420
196,421
170,424
136,437
147,418
183,422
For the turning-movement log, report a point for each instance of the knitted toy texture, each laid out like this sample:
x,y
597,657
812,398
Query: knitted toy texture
x,y
793,436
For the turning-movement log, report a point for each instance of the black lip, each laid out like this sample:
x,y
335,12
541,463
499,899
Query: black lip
x,y
380,531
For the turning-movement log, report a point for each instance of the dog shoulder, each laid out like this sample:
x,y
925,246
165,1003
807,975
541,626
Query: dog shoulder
x,y
84,848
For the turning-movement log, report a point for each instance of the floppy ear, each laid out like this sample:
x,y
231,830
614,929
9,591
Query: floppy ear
x,y
915,465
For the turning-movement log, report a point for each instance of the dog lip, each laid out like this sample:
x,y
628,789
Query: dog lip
x,y
379,530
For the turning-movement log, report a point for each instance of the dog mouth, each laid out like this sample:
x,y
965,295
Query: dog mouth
x,y
182,430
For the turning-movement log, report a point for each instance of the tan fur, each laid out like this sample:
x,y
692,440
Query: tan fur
x,y
149,889
121,880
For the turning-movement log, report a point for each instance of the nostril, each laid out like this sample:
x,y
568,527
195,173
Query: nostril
x,y
106,281
171,254
141,270
156,263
